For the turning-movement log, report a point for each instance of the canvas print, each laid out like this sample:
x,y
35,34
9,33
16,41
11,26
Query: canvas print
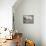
x,y
28,19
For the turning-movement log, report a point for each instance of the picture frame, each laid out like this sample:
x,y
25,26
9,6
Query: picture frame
x,y
28,19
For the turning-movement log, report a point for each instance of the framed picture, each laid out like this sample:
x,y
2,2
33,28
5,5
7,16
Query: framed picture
x,y
28,19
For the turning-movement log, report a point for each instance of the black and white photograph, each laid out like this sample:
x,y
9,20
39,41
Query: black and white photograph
x,y
28,19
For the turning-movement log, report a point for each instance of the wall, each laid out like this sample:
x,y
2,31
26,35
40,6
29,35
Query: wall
x,y
6,13
43,22
30,31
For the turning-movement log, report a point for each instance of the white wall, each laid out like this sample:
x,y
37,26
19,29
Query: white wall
x,y
43,22
31,31
6,13
24,27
